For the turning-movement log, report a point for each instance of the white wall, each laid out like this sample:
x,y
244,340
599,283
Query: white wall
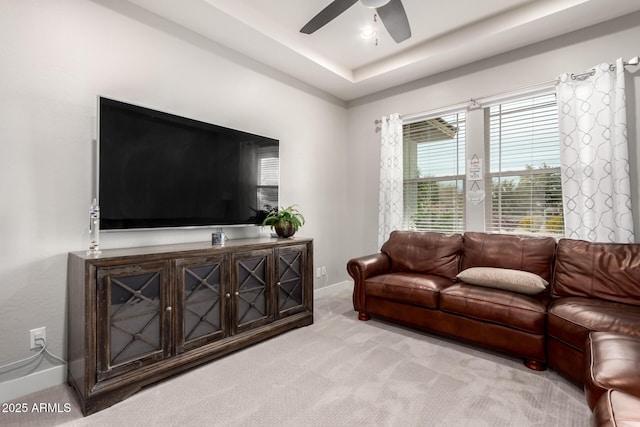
x,y
508,72
57,56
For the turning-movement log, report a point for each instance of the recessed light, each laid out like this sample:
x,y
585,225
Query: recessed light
x,y
368,33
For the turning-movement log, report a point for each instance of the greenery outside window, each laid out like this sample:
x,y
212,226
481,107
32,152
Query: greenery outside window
x,y
434,172
524,167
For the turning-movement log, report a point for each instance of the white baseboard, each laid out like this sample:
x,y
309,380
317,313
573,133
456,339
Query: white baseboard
x,y
347,284
13,389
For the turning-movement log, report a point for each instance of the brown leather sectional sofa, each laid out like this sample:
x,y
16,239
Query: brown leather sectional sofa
x,y
501,301
596,287
612,378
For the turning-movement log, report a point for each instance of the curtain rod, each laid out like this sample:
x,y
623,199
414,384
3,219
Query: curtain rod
x,y
477,102
633,61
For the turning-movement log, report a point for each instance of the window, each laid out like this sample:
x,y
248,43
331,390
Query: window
x,y
524,168
433,151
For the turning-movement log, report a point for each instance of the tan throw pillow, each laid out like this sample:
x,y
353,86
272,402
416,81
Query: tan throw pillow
x,y
503,278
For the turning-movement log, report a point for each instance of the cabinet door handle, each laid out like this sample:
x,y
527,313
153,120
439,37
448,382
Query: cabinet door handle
x,y
236,293
228,295
169,308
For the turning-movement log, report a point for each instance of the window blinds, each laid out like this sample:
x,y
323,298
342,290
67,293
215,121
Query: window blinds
x,y
433,155
524,167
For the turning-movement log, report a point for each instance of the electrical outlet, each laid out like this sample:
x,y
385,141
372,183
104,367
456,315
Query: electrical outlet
x,y
35,334
318,272
324,270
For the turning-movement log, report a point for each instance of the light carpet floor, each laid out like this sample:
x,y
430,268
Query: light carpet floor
x,y
340,372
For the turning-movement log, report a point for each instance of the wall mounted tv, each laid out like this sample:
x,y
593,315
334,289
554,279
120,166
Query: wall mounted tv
x,y
161,170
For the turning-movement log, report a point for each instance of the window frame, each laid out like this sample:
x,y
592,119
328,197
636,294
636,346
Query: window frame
x,y
489,175
458,179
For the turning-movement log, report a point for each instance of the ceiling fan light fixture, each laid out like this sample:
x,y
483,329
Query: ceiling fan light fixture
x,y
368,33
373,4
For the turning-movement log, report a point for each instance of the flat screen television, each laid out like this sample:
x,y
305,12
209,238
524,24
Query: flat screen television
x,y
161,170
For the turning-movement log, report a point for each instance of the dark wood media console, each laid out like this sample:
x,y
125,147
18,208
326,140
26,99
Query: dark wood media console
x,y
140,315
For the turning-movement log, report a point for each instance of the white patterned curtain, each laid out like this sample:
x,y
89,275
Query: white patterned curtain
x,y
594,155
391,204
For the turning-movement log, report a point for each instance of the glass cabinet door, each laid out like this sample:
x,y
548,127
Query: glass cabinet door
x,y
201,304
251,296
133,317
290,271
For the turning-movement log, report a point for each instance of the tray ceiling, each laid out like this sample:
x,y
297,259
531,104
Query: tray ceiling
x,y
337,60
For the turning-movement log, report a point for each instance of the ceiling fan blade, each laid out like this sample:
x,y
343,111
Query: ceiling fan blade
x,y
327,15
395,20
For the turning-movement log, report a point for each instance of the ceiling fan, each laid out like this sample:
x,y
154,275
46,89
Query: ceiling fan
x,y
391,12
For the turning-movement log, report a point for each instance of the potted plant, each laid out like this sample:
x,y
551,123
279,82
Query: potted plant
x,y
285,221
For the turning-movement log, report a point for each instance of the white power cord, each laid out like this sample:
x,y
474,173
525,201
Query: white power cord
x,y
59,359
43,349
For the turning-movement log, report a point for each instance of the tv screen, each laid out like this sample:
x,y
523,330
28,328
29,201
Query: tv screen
x,y
161,170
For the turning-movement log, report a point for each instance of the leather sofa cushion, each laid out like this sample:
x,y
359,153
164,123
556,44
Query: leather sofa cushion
x,y
505,308
617,409
609,271
424,252
409,288
527,253
613,362
572,319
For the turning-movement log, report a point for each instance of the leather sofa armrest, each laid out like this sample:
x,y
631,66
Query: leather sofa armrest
x,y
362,268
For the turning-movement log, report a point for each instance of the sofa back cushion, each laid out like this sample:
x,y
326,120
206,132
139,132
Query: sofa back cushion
x,y
424,252
527,253
608,271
